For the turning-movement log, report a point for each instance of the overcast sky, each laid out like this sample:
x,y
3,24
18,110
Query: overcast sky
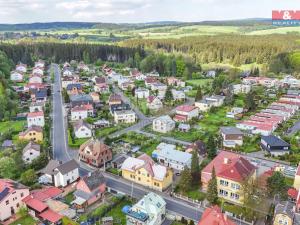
x,y
121,11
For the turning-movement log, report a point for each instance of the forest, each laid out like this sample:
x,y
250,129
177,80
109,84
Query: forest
x,y
232,49
27,52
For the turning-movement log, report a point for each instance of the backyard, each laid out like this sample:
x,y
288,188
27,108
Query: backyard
x,y
26,220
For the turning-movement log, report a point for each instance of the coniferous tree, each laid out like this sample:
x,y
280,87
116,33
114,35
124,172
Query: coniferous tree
x,y
168,94
212,189
199,95
185,181
195,168
211,147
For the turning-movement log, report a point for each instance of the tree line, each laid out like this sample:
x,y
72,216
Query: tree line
x,y
27,52
233,49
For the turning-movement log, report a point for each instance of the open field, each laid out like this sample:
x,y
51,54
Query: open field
x,y
16,126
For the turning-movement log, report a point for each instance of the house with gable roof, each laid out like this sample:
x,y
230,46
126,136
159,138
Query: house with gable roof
x,y
143,170
231,171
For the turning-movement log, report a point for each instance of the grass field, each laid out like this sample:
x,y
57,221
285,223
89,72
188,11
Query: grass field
x,y
16,126
27,220
199,82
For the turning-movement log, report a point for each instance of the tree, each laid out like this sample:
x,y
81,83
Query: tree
x,y
169,95
195,168
211,147
199,95
185,180
8,168
180,67
28,177
86,57
250,101
212,189
276,185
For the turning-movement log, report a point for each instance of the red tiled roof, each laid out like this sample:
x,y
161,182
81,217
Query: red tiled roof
x,y
230,166
214,216
293,193
35,204
35,114
185,108
178,117
82,108
51,216
46,193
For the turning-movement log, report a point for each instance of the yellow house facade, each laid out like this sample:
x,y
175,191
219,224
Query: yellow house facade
x,y
144,171
281,219
33,133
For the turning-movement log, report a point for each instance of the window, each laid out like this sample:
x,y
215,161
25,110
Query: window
x,y
22,194
223,193
7,202
235,186
224,183
234,196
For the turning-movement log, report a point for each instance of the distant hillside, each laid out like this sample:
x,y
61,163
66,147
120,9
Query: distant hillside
x,y
86,25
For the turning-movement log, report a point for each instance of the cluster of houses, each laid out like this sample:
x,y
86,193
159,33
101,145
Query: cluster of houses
x,y
38,92
287,81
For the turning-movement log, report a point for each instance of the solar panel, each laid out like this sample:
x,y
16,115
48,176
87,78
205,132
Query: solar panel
x,y
4,193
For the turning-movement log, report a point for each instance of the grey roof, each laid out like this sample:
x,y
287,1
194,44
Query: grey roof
x,y
274,141
81,97
172,154
231,130
32,145
82,194
7,144
67,167
94,180
285,208
81,123
120,159
49,169
71,86
40,93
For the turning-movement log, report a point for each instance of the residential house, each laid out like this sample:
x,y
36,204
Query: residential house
x,y
31,152
141,93
82,112
274,145
290,81
67,72
81,99
119,107
199,147
95,96
16,76
150,80
99,80
101,123
167,155
175,82
235,111
114,99
210,101
150,210
41,205
231,171
118,161
295,92
33,133
11,193
21,68
160,89
211,74
264,81
7,144
36,106
124,116
39,95
66,173
184,127
241,88
231,137
83,67
65,81
40,64
101,88
178,95
82,129
127,85
74,89
35,79
90,189
35,119
38,71
154,103
59,174
143,170
214,215
95,153
284,213
185,113
163,124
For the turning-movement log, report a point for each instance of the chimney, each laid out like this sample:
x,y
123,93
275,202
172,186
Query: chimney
x,y
225,160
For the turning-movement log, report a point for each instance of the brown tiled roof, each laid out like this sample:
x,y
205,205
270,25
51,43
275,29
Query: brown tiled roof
x,y
95,146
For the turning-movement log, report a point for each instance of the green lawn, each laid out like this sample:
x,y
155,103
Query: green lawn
x,y
69,198
27,220
102,132
117,213
196,194
77,141
199,82
15,126
67,221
